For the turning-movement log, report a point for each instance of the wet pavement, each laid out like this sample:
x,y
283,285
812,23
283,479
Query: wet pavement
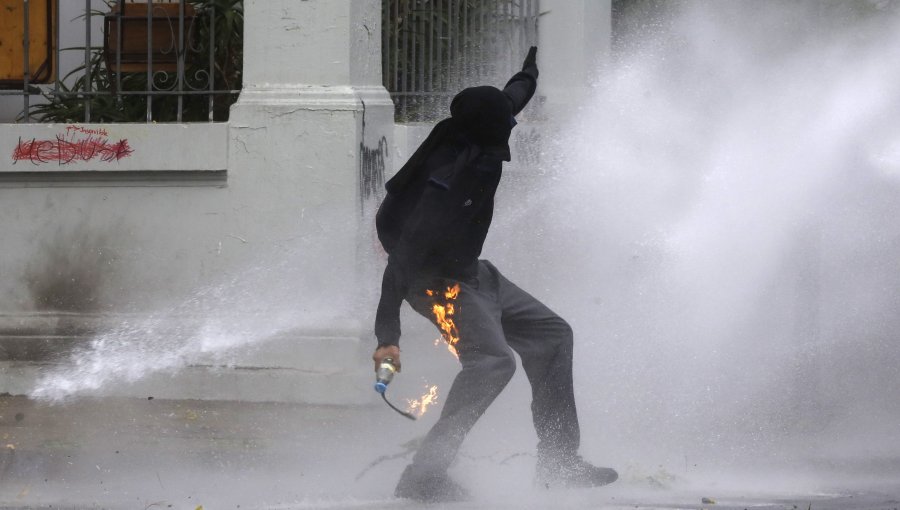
x,y
121,453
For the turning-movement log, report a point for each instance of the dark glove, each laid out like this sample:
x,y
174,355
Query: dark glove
x,y
530,64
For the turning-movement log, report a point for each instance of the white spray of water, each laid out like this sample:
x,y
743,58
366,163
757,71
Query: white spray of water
x,y
720,221
219,324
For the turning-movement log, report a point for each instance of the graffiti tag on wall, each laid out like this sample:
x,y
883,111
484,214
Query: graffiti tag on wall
x,y
371,169
77,144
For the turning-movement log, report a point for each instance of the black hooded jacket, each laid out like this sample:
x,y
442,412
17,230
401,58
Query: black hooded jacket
x,y
453,176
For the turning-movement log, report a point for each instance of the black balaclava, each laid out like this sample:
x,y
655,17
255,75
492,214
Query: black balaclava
x,y
485,114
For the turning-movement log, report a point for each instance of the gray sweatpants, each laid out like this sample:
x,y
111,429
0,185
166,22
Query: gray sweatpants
x,y
494,317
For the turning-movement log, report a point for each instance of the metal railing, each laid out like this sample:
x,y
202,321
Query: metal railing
x,y
177,75
431,49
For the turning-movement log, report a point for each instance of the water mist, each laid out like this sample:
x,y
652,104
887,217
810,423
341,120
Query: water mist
x,y
718,223
219,324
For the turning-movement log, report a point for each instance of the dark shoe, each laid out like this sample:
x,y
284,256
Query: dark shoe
x,y
572,472
429,488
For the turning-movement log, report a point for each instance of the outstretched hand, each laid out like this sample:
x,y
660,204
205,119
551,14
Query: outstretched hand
x,y
530,63
387,351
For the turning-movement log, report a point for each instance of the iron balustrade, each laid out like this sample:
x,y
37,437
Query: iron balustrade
x,y
161,80
431,49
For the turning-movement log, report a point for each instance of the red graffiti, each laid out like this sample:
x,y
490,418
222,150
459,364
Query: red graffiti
x,y
71,151
87,131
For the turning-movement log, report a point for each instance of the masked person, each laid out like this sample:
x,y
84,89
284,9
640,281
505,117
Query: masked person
x,y
433,223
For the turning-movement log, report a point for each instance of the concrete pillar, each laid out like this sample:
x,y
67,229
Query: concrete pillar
x,y
309,140
575,40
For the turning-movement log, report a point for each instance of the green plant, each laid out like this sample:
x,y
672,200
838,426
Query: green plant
x,y
228,47
69,105
226,20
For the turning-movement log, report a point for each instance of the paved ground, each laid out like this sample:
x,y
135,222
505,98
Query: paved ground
x,y
158,454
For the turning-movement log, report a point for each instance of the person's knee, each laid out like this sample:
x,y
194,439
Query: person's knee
x,y
560,336
501,367
566,335
508,366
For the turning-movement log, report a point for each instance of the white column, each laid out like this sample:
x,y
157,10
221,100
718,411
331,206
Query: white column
x,y
309,140
575,39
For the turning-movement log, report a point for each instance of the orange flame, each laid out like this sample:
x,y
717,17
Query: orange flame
x,y
443,314
420,405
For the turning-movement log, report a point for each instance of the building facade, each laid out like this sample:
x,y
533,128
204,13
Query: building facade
x,y
226,260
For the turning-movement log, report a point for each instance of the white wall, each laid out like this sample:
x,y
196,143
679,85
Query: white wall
x,y
575,41
233,260
235,244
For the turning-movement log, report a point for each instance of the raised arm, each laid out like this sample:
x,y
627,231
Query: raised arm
x,y
520,88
